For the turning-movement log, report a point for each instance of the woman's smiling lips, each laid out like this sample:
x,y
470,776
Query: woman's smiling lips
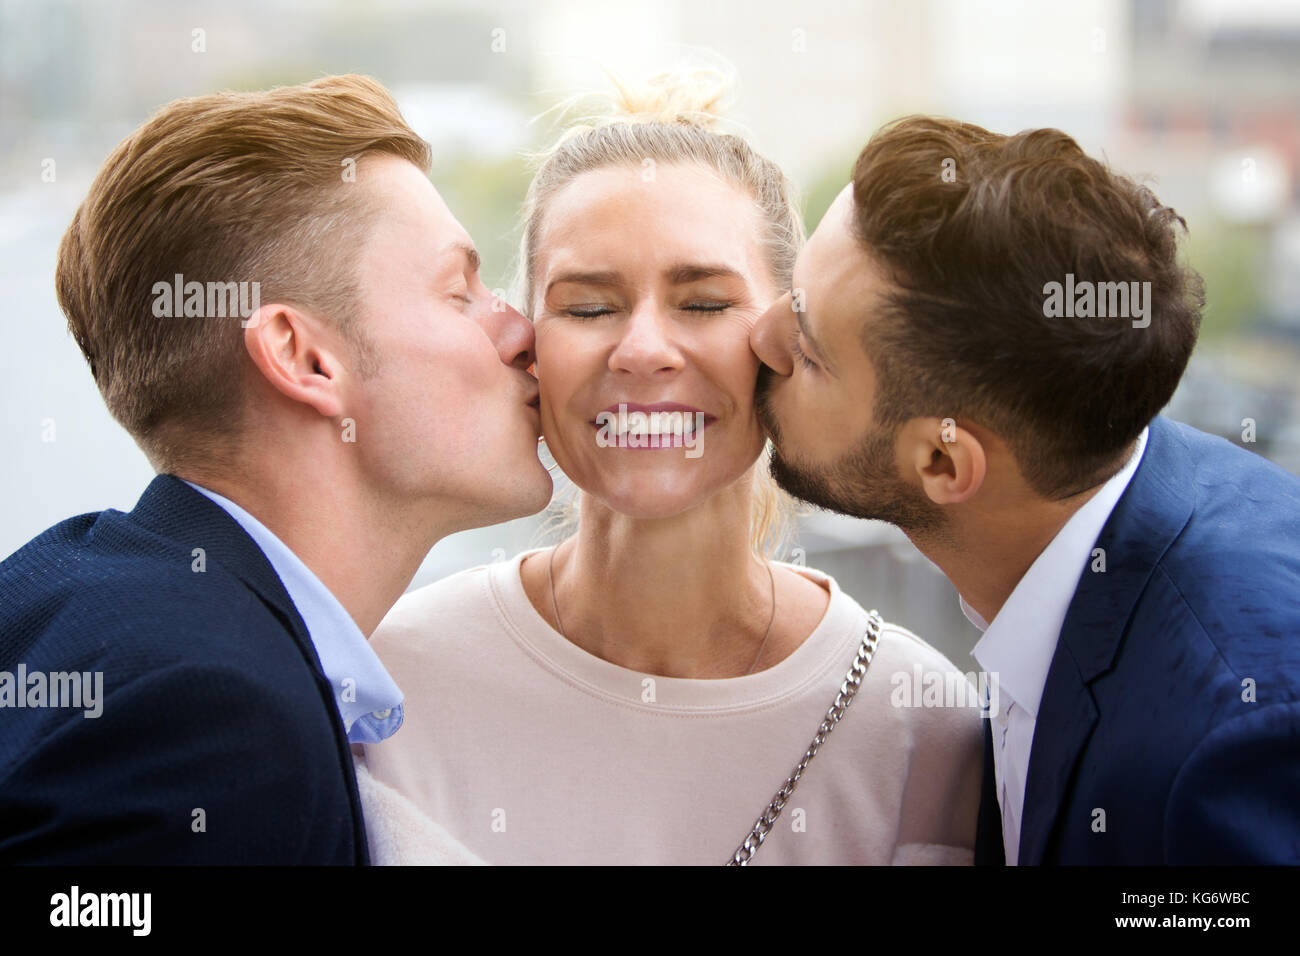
x,y
637,426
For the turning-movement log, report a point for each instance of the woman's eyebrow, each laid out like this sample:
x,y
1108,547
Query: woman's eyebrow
x,y
678,274
693,272
608,277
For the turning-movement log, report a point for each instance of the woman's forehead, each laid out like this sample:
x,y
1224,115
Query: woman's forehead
x,y
661,220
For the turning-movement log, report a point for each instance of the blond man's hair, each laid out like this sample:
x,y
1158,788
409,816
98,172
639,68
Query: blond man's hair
x,y
230,187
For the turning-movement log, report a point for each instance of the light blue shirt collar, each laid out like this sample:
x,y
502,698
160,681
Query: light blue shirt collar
x,y
368,699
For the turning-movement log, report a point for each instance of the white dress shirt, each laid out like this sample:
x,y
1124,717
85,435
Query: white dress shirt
x,y
1016,650
368,699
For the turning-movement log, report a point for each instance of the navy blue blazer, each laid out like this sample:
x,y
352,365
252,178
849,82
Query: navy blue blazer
x,y
219,741
1169,728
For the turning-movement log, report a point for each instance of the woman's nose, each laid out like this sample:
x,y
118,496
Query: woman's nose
x,y
770,337
647,343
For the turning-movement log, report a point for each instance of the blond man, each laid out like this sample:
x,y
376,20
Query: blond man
x,y
277,305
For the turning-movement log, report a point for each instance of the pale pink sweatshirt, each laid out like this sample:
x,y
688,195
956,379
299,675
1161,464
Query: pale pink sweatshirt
x,y
528,750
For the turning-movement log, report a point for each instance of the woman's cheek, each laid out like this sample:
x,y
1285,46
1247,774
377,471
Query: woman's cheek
x,y
740,321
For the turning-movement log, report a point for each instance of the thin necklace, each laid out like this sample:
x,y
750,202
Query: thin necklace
x,y
559,625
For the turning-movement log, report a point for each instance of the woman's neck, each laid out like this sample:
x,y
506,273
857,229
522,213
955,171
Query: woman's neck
x,y
677,597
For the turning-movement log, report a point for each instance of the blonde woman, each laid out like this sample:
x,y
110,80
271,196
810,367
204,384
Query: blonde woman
x,y
639,693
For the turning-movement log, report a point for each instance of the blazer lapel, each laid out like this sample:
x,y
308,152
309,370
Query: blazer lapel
x,y
1149,515
988,830
171,508
1065,721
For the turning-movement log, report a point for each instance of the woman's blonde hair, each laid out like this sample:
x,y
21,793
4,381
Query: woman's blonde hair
x,y
674,118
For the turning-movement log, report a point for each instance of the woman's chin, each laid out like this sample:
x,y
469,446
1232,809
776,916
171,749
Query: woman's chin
x,y
649,495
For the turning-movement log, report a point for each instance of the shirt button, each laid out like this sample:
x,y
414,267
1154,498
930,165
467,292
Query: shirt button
x,y
382,714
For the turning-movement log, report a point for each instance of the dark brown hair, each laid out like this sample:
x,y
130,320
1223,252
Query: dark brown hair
x,y
231,187
970,227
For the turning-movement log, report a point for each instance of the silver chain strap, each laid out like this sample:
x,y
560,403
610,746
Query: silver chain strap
x,y
848,690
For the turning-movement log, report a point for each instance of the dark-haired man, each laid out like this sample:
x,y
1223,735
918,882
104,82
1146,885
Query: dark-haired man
x,y
1137,581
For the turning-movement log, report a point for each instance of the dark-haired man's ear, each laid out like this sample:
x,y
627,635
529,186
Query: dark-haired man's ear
x,y
946,459
294,352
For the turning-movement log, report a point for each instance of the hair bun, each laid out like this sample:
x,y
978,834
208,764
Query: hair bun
x,y
691,96
695,96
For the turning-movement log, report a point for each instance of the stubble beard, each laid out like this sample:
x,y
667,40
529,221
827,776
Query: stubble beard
x,y
861,483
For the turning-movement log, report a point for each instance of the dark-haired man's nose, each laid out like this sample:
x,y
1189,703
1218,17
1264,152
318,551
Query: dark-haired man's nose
x,y
770,337
509,331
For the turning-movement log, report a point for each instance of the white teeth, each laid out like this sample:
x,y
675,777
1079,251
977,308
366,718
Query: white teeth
x,y
657,424
651,430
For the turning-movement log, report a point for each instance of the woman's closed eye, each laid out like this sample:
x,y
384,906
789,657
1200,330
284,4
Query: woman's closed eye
x,y
707,305
595,311
588,311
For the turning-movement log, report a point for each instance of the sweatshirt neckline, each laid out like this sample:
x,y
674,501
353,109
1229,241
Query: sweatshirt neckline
x,y
830,646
